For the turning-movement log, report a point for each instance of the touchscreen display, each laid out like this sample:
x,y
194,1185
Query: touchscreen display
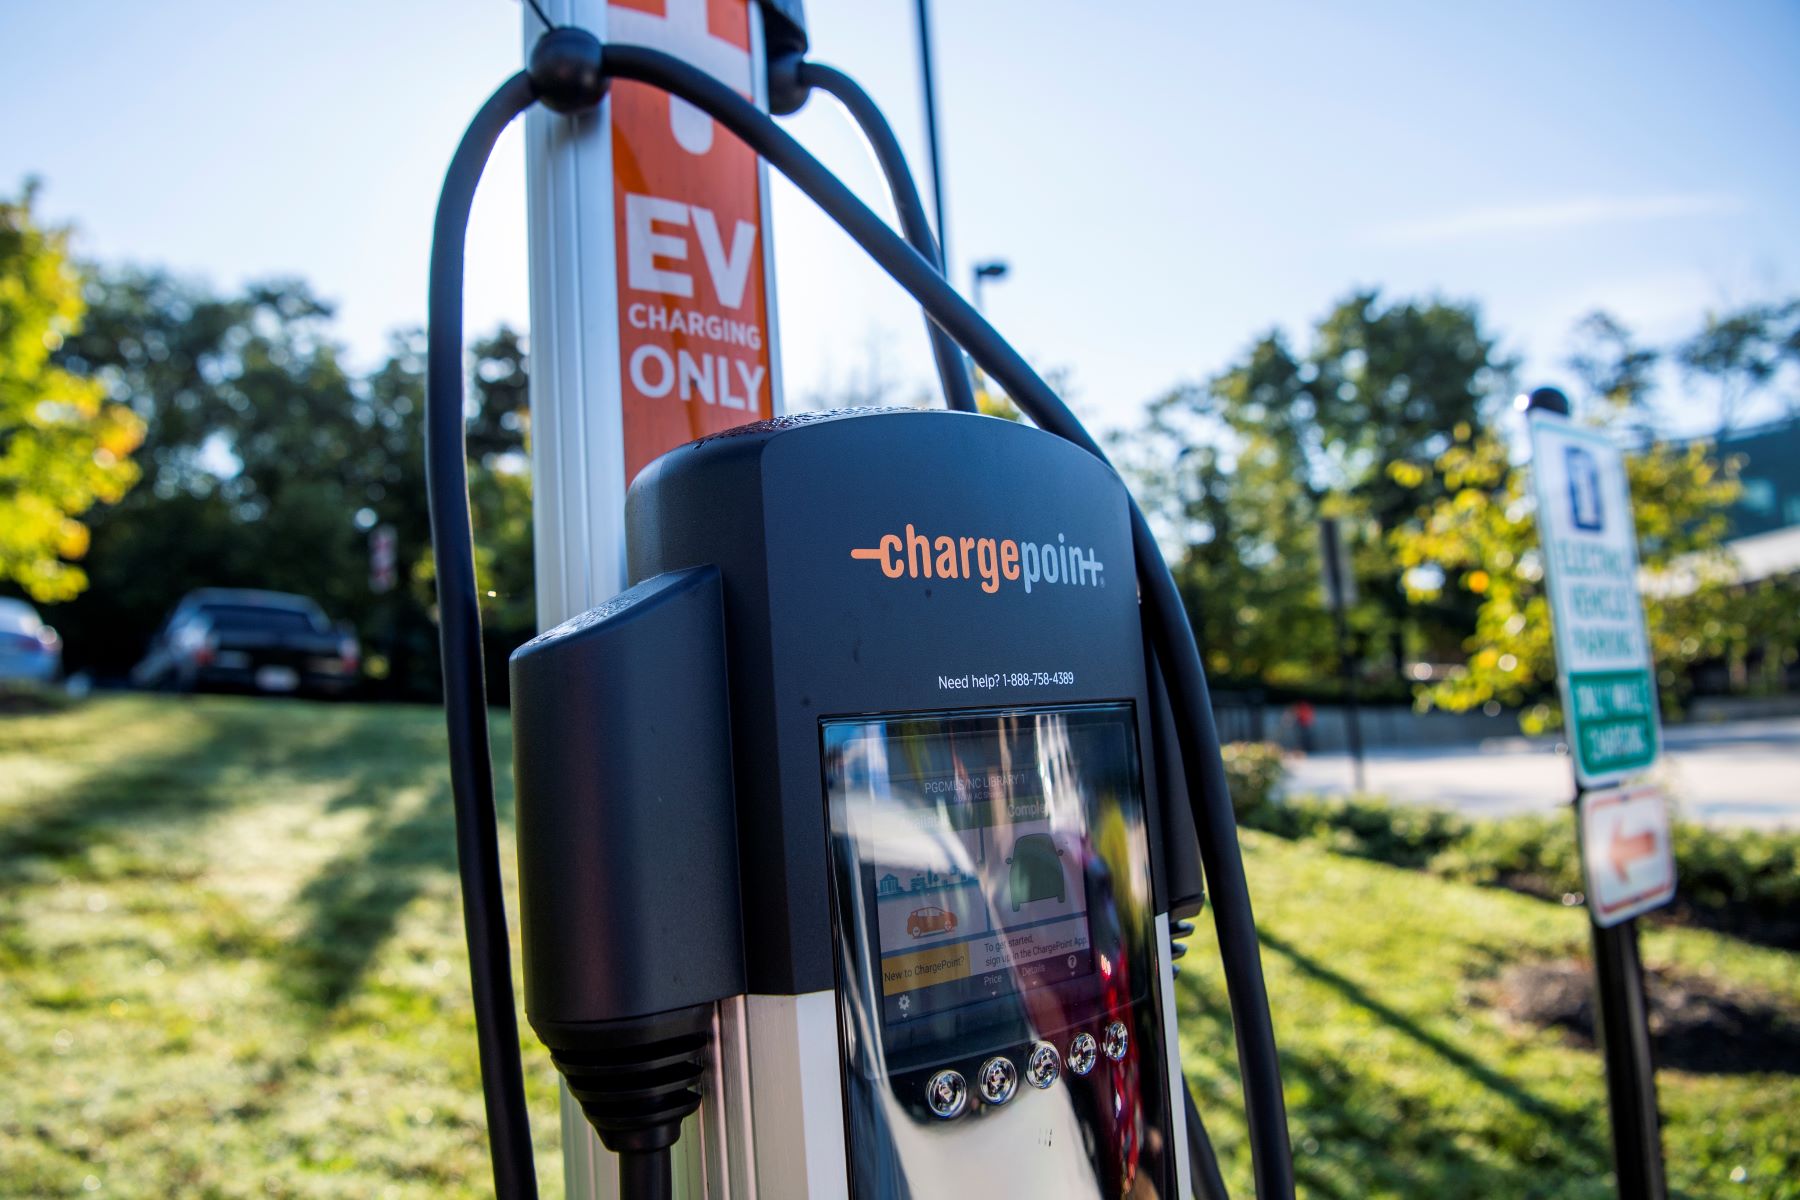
x,y
971,842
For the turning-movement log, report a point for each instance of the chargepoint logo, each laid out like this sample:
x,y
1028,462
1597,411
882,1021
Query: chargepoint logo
x,y
991,561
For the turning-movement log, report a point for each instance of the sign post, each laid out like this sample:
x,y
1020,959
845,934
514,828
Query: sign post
x,y
1340,594
653,322
1608,685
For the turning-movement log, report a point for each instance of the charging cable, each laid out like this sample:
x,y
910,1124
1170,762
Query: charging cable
x,y
568,70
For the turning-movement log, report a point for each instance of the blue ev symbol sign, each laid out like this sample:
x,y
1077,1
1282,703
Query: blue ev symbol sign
x,y
1590,560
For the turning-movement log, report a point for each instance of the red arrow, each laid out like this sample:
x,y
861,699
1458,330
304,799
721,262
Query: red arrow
x,y
1626,851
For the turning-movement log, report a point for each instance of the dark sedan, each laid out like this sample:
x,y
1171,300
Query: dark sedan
x,y
230,639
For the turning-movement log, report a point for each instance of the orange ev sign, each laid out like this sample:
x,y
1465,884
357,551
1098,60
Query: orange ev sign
x,y
689,238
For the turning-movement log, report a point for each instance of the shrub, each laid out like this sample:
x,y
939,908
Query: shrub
x,y
1743,881
1253,772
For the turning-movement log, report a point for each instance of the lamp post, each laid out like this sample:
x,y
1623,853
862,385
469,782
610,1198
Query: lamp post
x,y
995,269
929,88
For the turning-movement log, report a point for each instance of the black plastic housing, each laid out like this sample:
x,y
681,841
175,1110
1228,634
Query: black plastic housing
x,y
815,632
628,854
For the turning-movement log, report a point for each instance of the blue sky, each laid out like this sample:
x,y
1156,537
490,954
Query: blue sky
x,y
1167,180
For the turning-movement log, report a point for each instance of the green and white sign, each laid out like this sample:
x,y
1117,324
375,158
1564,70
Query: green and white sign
x,y
1591,563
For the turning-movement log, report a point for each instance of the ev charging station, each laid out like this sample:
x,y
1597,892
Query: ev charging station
x,y
865,768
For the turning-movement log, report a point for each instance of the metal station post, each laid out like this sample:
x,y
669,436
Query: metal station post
x,y
653,322
1621,1021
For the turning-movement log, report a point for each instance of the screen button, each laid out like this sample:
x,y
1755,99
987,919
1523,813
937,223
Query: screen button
x,y
947,1093
999,1080
1044,1065
1115,1040
1082,1053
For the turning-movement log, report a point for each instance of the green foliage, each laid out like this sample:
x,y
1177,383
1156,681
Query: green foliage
x,y
1723,870
267,464
1253,772
1365,827
499,488
1743,352
27,696
1474,533
1239,471
63,447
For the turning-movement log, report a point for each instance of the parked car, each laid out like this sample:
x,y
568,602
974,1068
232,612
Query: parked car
x,y
232,639
30,651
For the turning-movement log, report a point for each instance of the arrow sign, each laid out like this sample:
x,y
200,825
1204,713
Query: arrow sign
x,y
1625,852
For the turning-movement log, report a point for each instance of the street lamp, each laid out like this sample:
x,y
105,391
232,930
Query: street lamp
x,y
995,269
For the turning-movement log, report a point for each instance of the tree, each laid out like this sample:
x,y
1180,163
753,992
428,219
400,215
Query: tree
x,y
1245,517
63,447
499,489
1239,471
268,464
1742,353
1478,536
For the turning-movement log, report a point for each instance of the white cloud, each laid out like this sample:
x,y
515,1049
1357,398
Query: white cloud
x,y
1555,217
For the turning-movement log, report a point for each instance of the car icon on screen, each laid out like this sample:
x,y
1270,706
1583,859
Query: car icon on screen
x,y
922,922
1037,872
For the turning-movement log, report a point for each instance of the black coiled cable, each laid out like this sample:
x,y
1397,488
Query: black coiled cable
x,y
570,81
953,374
459,644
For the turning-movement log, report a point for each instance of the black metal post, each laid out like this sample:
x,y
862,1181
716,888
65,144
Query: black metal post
x,y
931,134
1622,1020
1352,712
1337,593
1623,1027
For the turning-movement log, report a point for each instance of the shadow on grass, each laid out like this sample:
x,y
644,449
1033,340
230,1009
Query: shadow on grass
x,y
1355,1133
222,755
170,785
225,755
352,907
1468,1064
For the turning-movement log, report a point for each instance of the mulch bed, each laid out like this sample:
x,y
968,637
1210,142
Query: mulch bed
x,y
1698,1025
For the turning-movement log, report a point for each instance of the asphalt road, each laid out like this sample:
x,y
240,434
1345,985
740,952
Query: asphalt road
x,y
1741,773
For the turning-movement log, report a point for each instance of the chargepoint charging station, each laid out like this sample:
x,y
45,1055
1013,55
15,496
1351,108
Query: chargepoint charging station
x,y
865,768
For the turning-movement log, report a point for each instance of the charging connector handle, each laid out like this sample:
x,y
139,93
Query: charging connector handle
x,y
1171,635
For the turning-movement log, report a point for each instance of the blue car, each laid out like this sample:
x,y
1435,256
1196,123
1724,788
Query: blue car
x,y
30,651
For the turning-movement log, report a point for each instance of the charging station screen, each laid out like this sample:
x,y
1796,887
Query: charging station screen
x,y
972,840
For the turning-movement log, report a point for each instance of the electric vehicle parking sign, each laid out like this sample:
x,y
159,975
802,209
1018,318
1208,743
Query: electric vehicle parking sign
x,y
690,238
1590,559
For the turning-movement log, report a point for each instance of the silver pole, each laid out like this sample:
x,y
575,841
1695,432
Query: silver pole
x,y
580,465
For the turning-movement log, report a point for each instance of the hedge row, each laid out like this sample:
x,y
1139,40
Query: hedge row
x,y
1741,881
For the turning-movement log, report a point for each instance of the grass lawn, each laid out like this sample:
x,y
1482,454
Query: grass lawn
x,y
231,965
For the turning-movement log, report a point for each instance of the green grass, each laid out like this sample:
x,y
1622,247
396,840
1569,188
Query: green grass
x,y
1402,1078
231,965
231,957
